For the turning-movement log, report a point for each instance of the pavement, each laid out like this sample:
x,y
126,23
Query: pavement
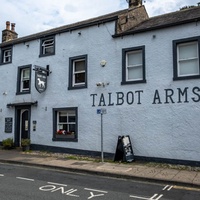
x,y
183,176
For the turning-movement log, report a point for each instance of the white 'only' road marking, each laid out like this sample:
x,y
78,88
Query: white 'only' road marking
x,y
26,179
168,187
151,198
59,184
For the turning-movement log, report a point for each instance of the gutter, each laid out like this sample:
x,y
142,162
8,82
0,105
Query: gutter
x,y
57,31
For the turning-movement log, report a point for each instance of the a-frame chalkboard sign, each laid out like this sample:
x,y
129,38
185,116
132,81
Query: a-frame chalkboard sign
x,y
124,151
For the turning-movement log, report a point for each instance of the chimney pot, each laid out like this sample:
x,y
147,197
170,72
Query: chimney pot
x,y
8,25
134,3
13,27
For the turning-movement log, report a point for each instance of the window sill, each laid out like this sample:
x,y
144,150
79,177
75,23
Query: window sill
x,y
186,78
44,55
65,139
133,82
77,87
5,63
19,93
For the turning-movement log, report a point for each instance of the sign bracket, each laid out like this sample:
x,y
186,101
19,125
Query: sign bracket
x,y
42,69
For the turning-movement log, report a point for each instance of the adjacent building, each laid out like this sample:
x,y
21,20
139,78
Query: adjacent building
x,y
144,71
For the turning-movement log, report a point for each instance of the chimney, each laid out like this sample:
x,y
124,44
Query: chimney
x,y
8,25
134,3
134,15
13,27
8,34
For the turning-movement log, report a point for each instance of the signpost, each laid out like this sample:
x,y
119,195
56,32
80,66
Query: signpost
x,y
102,111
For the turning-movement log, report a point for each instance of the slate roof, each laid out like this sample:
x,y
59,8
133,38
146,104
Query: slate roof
x,y
167,20
67,28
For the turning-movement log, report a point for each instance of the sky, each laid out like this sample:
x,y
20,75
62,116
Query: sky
x,y
33,16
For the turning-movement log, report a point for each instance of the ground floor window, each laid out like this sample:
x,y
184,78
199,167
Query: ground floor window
x,y
65,124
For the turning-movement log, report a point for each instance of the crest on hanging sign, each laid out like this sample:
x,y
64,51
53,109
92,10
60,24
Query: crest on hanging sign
x,y
40,80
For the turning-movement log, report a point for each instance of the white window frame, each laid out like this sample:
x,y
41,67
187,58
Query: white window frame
x,y
67,114
78,72
135,77
61,127
7,54
179,61
140,65
24,79
47,44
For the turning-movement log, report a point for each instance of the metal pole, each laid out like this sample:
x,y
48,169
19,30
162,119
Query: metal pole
x,y
102,160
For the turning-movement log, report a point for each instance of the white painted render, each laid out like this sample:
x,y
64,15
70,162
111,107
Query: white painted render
x,y
167,130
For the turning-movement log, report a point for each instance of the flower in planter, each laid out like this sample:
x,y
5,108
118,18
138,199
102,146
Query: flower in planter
x,y
61,132
8,143
70,132
25,142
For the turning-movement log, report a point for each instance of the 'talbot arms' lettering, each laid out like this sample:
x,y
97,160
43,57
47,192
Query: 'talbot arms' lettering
x,y
178,95
117,98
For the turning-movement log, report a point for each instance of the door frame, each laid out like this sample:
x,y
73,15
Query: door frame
x,y
18,122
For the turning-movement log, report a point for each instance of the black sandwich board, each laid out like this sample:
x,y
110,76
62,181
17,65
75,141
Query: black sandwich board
x,y
8,124
124,151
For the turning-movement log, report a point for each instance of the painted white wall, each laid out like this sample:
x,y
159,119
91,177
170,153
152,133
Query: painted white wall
x,y
156,130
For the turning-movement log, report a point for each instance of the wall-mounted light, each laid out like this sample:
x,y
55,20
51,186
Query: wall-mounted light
x,y
44,108
102,84
5,93
103,63
99,84
27,44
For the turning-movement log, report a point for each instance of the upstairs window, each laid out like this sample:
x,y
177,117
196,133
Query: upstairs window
x,y
78,72
65,124
133,65
47,46
6,55
24,79
186,59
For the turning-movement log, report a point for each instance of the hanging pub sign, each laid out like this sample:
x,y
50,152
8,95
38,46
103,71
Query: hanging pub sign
x,y
41,74
124,151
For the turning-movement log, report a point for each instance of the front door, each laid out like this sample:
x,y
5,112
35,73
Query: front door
x,y
22,122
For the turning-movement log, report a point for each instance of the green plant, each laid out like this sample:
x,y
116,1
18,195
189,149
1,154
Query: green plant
x,y
25,142
8,143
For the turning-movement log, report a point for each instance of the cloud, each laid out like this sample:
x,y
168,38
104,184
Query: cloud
x,y
158,7
34,16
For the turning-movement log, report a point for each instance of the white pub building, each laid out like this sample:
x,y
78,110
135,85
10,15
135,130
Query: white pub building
x,y
145,71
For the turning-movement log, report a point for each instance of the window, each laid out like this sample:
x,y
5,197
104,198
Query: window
x,y
6,55
186,58
133,65
47,46
65,124
78,72
24,79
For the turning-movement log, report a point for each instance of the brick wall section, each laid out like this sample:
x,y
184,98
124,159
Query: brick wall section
x,y
131,18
